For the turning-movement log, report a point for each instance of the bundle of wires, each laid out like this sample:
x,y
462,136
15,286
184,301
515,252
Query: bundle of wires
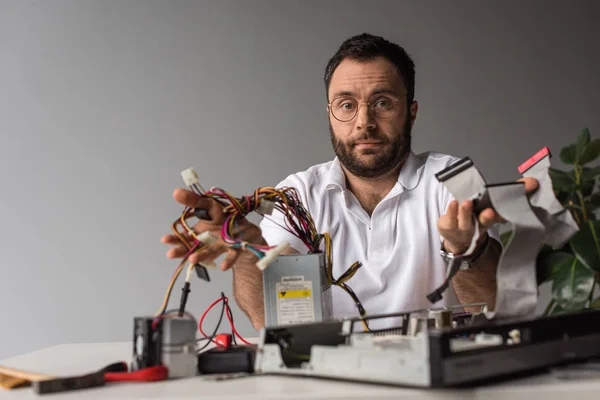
x,y
297,220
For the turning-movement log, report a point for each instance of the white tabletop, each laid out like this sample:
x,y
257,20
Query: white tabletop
x,y
83,358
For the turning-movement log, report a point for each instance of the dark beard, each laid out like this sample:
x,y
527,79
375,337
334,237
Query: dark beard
x,y
385,162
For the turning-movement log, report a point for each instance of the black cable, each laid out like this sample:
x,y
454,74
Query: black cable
x,y
452,268
214,334
184,297
233,340
357,302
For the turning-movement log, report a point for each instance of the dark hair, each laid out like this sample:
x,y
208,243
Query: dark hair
x,y
366,47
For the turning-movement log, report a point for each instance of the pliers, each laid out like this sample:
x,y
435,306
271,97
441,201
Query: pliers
x,y
116,372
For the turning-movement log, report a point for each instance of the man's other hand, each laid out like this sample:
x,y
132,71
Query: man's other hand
x,y
457,228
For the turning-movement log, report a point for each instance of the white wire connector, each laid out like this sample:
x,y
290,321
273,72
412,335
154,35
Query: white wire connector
x,y
266,207
190,177
208,264
207,238
272,254
188,275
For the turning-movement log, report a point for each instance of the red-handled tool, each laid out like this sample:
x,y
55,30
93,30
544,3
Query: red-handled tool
x,y
117,372
150,374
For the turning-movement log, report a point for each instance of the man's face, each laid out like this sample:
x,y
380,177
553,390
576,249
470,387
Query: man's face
x,y
366,145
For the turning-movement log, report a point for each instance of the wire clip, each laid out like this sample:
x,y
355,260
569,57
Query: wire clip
x,y
272,254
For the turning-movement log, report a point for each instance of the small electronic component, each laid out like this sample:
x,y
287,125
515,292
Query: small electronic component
x,y
179,346
147,343
224,340
170,342
202,272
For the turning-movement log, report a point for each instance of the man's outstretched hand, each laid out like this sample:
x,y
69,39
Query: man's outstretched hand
x,y
457,228
214,225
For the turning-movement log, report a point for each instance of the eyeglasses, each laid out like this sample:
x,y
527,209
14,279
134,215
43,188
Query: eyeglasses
x,y
382,106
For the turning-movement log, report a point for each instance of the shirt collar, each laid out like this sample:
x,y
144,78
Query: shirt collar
x,y
409,177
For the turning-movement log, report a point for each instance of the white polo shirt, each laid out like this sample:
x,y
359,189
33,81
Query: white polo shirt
x,y
398,245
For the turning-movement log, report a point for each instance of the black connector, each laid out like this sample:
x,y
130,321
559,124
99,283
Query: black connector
x,y
202,272
436,295
454,169
184,297
201,213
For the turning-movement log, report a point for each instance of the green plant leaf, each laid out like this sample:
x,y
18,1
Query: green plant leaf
x,y
592,151
595,303
572,284
593,201
586,189
505,236
592,206
548,262
587,181
561,180
568,154
589,175
586,245
556,310
582,143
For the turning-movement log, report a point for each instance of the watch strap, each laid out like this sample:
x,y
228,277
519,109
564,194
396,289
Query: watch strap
x,y
479,251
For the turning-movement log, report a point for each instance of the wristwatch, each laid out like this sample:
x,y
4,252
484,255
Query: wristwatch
x,y
467,262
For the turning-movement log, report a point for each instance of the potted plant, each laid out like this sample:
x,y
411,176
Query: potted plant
x,y
574,269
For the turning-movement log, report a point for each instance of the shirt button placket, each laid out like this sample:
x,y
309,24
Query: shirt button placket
x,y
376,235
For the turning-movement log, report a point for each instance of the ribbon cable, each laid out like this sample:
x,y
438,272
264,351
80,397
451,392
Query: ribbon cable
x,y
542,220
517,289
559,222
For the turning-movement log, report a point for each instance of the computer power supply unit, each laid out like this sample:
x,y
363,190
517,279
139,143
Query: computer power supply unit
x,y
296,290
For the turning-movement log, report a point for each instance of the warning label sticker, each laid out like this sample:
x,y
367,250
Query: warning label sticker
x,y
294,301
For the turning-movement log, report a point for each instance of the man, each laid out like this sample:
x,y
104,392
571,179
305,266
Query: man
x,y
379,201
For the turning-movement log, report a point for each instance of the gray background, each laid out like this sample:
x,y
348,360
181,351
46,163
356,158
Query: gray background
x,y
103,103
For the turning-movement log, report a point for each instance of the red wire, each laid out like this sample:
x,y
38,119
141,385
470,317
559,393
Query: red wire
x,y
204,315
229,317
